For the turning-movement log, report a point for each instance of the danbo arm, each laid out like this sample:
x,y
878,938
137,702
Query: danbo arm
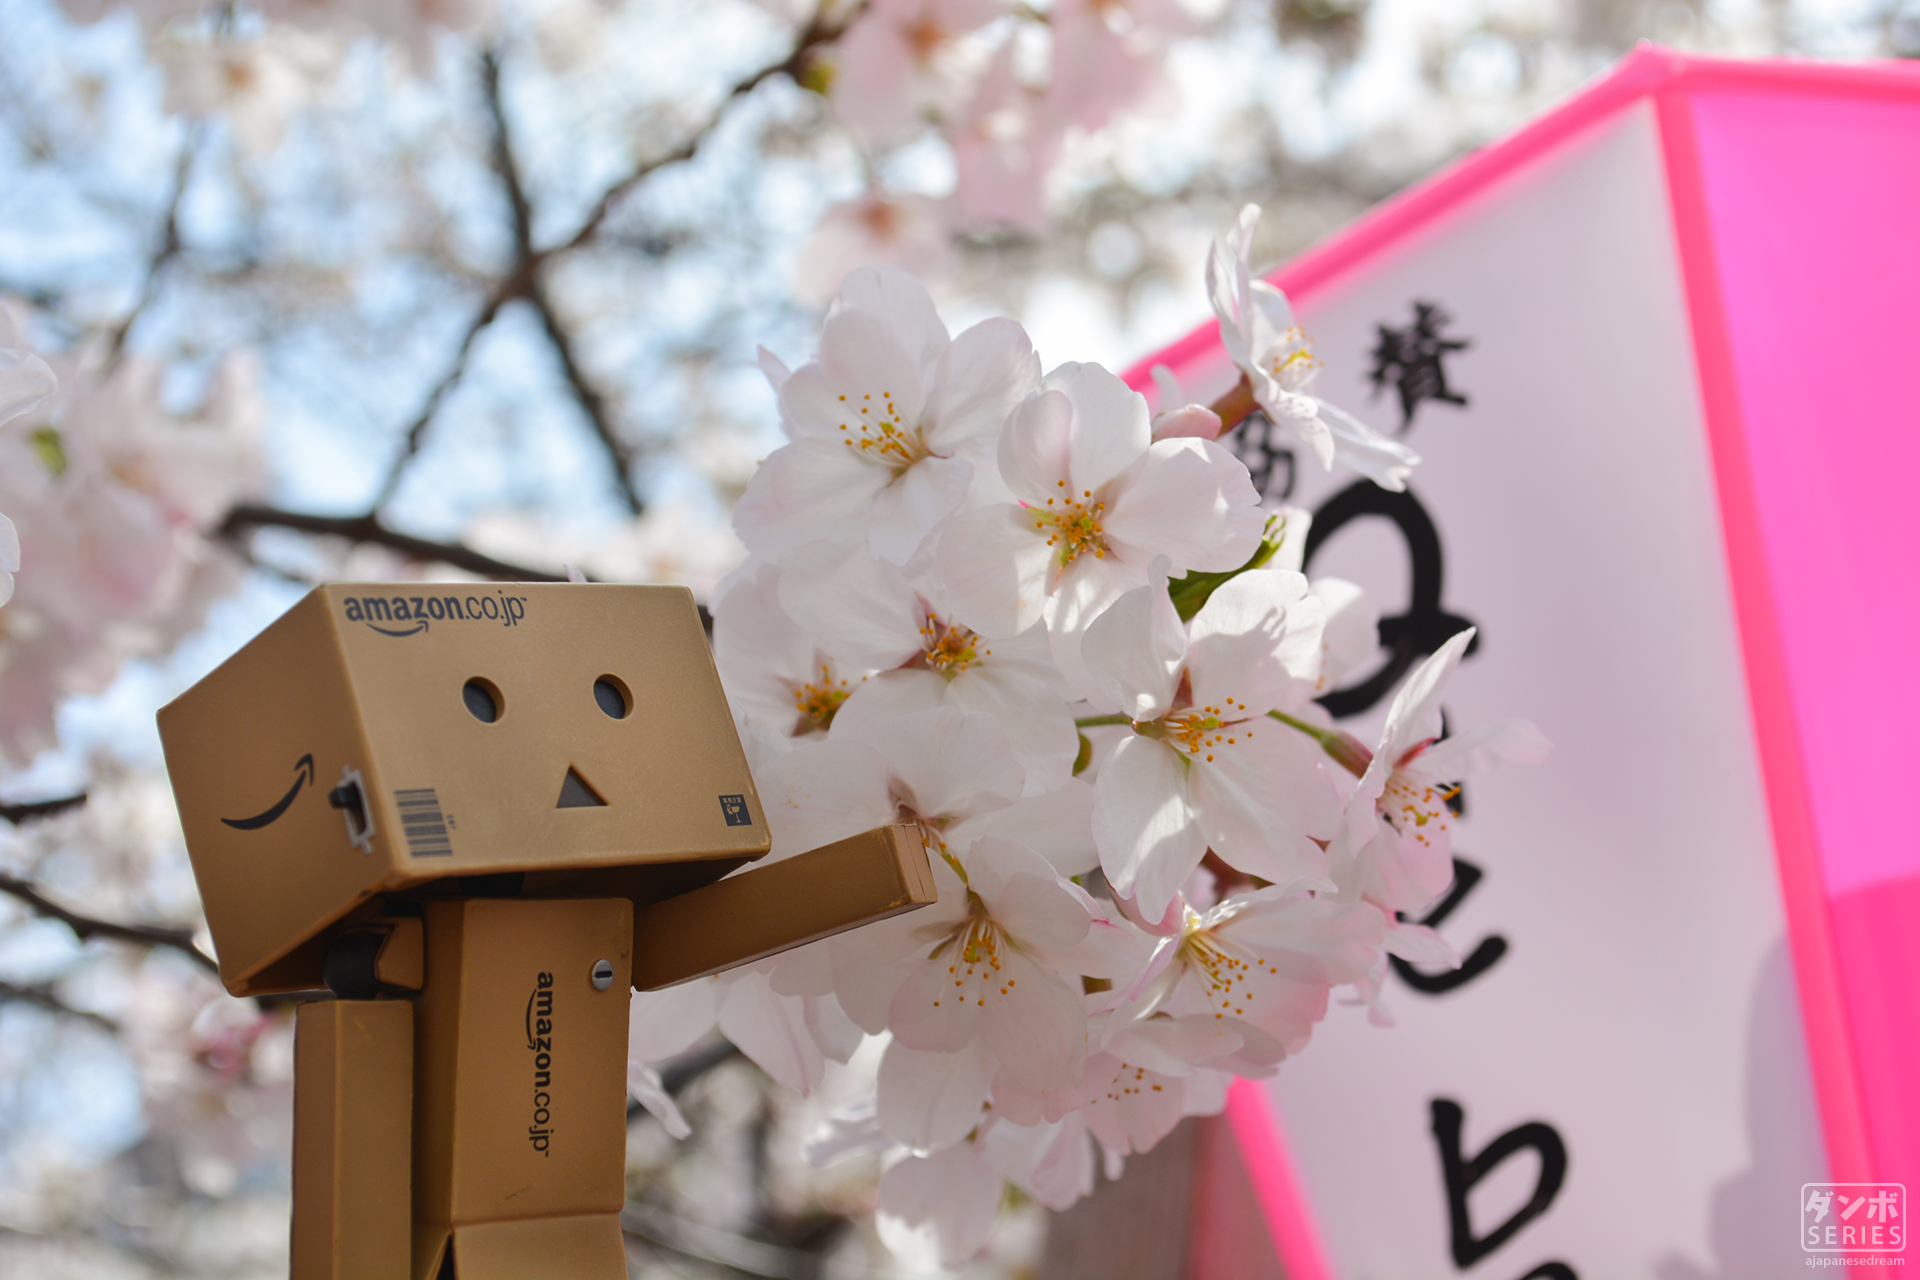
x,y
771,909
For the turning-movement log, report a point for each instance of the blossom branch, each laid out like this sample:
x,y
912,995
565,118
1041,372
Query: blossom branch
x,y
31,809
370,529
523,281
1346,750
87,927
169,249
820,30
43,996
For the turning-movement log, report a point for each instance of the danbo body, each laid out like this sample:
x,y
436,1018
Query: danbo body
x,y
479,815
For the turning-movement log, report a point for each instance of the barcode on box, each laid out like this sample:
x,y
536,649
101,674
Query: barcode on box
x,y
423,823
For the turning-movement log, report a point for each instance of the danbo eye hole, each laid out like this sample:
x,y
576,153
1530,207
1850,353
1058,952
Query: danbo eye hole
x,y
611,693
482,699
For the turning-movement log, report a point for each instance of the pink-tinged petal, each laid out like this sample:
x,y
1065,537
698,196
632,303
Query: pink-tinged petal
x,y
988,371
1036,1026
803,971
25,380
860,609
661,1024
1087,589
1190,500
1227,272
1038,726
932,1100
837,1035
774,368
1418,944
1175,1046
1414,716
933,1010
884,697
1039,913
1110,950
772,1030
1385,461
1111,426
813,488
1145,825
1344,937
645,1087
825,791
1257,642
904,308
1135,650
1352,634
1036,448
919,498
1055,825
1053,1163
811,407
946,763
1479,749
1193,420
1262,798
993,564
1400,872
955,1192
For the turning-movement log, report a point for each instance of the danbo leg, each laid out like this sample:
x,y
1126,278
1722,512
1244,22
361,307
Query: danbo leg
x,y
352,1138
520,1071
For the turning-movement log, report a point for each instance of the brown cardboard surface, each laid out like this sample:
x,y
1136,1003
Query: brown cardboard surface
x,y
370,678
769,909
521,1065
584,1248
352,1139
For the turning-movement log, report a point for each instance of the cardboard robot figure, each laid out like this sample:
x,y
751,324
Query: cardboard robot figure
x,y
478,815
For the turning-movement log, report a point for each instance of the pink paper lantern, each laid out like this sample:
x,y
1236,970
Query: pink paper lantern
x,y
1679,497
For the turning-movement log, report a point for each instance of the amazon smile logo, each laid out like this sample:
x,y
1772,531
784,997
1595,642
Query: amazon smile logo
x,y
303,774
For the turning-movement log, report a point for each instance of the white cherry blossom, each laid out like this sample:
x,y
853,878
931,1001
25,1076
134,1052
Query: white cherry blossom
x,y
777,678
1098,499
892,423
1261,964
1202,767
904,62
867,613
1396,847
1258,329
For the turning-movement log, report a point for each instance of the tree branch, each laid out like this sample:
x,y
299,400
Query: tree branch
x,y
522,280
169,249
43,995
591,401
87,927
819,31
31,809
369,529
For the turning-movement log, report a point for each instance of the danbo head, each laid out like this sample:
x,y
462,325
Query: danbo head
x,y
539,740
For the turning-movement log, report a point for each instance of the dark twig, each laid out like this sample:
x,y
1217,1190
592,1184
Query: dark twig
x,y
819,31
369,529
87,927
592,402
168,250
522,280
43,995
31,809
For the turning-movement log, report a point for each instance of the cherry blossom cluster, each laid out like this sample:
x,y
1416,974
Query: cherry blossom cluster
x,y
111,499
1060,635
1003,86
